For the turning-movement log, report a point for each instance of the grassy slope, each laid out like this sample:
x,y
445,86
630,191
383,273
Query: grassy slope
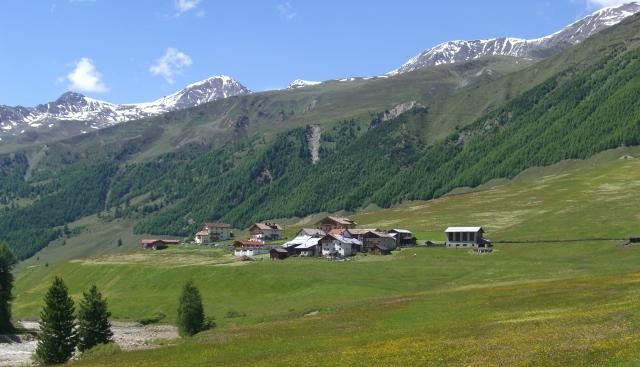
x,y
543,304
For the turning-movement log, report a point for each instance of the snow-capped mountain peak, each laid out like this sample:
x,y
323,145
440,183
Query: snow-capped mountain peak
x,y
459,51
96,114
300,83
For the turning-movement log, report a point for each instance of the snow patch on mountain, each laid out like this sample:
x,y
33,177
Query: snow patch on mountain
x,y
300,83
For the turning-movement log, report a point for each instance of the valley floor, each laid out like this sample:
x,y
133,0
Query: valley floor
x,y
542,304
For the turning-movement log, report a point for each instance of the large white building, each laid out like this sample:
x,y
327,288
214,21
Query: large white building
x,y
465,237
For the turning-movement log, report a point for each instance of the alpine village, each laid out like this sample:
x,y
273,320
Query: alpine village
x,y
474,205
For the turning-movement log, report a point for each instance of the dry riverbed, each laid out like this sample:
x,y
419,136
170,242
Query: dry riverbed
x,y
129,336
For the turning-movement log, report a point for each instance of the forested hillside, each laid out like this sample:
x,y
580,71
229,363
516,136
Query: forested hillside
x,y
249,158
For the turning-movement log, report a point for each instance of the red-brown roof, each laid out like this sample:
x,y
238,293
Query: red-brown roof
x,y
336,232
250,243
265,226
340,220
217,225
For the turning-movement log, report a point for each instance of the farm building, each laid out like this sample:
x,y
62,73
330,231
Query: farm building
x,y
338,246
403,237
249,248
279,253
307,246
329,223
380,249
266,231
213,232
371,237
466,237
157,244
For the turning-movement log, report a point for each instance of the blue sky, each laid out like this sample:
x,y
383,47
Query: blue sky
x,y
128,51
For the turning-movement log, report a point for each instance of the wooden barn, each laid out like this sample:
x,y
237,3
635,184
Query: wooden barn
x,y
157,244
279,253
403,237
380,249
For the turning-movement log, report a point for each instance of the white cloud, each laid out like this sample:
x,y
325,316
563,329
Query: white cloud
x,y
86,78
286,10
172,63
186,5
597,4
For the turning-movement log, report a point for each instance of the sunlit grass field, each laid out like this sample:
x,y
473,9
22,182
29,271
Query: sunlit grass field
x,y
538,304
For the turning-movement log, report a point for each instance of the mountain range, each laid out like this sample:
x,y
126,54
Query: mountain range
x,y
95,114
77,114
458,51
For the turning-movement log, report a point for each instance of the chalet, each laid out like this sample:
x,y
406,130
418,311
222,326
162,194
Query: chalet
x,y
219,231
213,232
331,222
202,237
157,244
249,248
279,253
466,237
403,237
266,231
371,237
338,246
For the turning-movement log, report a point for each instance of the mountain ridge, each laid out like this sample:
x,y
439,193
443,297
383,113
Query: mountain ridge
x,y
465,50
97,114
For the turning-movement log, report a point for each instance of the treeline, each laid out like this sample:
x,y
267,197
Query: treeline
x,y
81,191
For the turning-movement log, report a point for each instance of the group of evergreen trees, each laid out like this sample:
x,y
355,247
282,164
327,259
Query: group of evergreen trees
x,y
60,333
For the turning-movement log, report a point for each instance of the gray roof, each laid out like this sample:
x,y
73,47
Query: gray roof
x,y
463,229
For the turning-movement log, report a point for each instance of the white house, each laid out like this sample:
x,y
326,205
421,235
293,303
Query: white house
x,y
203,237
333,245
219,231
465,237
249,248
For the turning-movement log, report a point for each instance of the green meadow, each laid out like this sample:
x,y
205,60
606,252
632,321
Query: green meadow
x,y
542,304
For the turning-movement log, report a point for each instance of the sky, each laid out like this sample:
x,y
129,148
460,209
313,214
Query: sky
x,y
129,51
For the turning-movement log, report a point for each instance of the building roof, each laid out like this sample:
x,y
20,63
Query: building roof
x,y
149,241
266,225
360,231
312,232
344,239
382,246
202,233
340,220
307,241
464,229
217,225
399,230
337,232
248,243
280,250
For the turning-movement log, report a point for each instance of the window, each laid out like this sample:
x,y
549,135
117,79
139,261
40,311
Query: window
x,y
457,236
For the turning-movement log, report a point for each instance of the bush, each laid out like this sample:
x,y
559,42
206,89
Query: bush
x,y
156,318
231,314
100,350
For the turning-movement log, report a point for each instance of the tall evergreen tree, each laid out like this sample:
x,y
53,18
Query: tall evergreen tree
x,y
57,338
93,320
7,261
190,311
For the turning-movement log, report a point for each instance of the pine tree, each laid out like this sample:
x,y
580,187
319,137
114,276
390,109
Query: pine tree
x,y
7,261
190,311
57,338
93,320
